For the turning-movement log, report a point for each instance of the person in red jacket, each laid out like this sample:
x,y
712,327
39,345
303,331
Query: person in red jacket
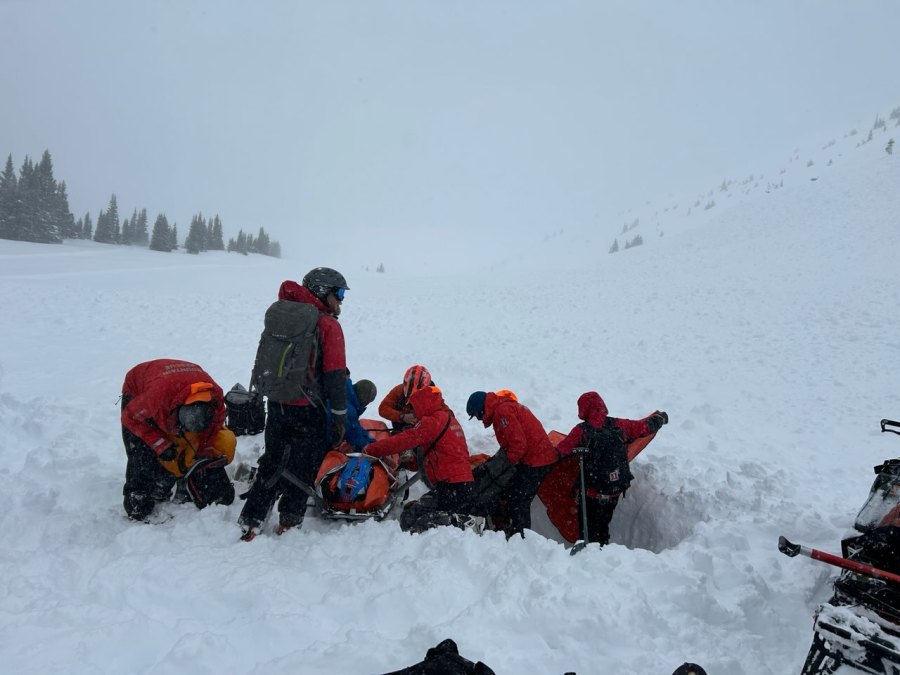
x,y
527,447
444,461
395,407
172,426
296,439
603,441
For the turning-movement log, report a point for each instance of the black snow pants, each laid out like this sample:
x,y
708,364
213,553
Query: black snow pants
x,y
437,507
295,442
519,494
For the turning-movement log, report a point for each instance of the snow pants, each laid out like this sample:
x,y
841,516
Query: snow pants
x,y
437,507
519,494
295,442
599,514
147,482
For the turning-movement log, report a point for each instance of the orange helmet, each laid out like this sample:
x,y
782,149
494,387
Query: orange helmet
x,y
415,378
507,393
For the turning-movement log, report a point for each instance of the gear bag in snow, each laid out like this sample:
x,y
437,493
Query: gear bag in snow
x,y
285,358
246,411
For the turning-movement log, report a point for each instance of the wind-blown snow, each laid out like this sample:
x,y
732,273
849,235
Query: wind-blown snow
x,y
769,334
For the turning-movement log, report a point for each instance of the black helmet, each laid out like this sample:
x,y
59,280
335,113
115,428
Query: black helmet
x,y
323,280
195,417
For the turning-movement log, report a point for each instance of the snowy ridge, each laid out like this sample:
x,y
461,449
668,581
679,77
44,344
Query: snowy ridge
x,y
768,335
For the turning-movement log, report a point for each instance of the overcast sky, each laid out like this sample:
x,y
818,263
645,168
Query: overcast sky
x,y
456,120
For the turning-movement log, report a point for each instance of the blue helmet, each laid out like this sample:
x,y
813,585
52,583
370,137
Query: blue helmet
x,y
353,481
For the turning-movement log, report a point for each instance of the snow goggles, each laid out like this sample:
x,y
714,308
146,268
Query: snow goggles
x,y
339,294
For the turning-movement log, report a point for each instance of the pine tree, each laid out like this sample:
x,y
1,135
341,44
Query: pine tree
x,y
261,243
112,214
173,242
9,201
103,232
88,231
24,227
127,233
161,239
194,242
64,216
141,236
45,226
217,243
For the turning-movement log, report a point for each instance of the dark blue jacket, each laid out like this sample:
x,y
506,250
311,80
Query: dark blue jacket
x,y
354,434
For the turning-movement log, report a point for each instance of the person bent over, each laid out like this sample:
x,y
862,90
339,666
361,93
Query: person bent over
x,y
443,457
395,407
172,426
527,448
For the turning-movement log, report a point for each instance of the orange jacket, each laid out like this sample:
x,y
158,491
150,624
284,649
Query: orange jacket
x,y
519,431
394,405
438,434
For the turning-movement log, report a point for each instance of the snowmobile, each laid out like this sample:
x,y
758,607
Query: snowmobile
x,y
859,626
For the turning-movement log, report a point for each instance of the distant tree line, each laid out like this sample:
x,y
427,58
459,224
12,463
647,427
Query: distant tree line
x,y
35,207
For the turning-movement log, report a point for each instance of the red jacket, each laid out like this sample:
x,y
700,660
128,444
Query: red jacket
x,y
448,460
592,409
519,431
332,358
157,389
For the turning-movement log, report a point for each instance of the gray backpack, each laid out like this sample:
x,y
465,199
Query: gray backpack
x,y
288,349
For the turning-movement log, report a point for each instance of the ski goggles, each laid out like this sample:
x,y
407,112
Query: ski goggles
x,y
339,294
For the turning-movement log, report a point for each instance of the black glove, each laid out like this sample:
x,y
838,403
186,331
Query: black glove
x,y
656,421
168,454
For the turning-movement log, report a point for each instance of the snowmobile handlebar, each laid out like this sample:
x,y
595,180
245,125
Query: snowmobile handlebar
x,y
890,423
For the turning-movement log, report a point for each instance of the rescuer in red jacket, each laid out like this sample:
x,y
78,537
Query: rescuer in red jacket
x,y
296,437
395,407
172,425
444,460
603,441
521,435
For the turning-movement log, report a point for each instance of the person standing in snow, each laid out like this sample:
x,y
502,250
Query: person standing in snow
x,y
444,460
172,426
296,438
395,407
526,445
603,441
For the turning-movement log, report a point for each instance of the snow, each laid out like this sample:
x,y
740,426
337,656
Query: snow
x,y
767,331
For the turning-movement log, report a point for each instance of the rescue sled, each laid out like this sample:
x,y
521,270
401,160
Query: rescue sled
x,y
355,486
859,626
559,490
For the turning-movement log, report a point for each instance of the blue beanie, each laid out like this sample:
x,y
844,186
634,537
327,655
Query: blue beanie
x,y
475,404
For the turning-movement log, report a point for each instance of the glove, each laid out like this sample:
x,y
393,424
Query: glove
x,y
656,421
168,454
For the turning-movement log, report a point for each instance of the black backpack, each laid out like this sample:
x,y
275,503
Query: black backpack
x,y
288,349
606,464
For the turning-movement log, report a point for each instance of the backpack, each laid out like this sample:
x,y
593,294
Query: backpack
x,y
606,464
284,369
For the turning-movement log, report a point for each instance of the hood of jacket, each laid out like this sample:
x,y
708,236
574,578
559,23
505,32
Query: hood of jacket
x,y
291,290
592,409
426,401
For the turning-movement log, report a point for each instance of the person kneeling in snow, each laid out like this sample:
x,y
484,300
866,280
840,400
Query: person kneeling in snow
x,y
603,441
444,460
172,426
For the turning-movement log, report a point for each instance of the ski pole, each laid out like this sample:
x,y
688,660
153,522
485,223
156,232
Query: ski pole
x,y
791,550
584,519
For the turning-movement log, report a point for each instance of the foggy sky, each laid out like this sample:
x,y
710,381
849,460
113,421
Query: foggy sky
x,y
456,125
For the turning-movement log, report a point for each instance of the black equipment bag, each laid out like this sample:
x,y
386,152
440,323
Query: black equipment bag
x,y
246,411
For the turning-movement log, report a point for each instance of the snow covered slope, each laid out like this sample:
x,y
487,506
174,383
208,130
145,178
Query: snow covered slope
x,y
769,335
